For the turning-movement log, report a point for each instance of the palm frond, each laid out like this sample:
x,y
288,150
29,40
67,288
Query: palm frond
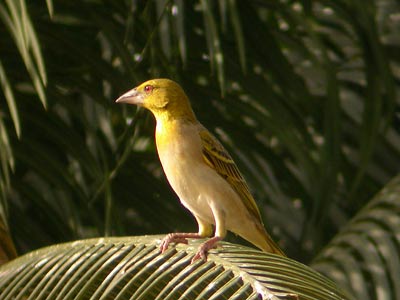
x,y
366,250
133,268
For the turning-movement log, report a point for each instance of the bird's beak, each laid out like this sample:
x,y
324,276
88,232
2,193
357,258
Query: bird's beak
x,y
131,97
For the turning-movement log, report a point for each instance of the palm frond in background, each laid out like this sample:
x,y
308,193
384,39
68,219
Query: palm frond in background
x,y
366,250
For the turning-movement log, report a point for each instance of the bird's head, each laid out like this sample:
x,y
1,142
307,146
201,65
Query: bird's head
x,y
163,97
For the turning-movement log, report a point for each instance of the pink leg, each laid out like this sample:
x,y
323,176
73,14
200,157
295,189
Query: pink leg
x,y
203,249
177,238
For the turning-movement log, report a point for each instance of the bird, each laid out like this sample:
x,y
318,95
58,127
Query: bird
x,y
200,171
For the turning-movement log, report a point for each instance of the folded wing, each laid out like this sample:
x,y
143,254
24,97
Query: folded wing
x,y
219,159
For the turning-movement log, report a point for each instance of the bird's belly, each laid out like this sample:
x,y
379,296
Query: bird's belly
x,y
190,183
203,192
188,175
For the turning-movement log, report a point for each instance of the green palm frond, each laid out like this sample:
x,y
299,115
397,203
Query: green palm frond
x,y
133,268
14,15
367,250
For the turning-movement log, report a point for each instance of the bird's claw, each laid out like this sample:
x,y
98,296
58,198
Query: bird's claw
x,y
182,238
201,254
204,248
172,238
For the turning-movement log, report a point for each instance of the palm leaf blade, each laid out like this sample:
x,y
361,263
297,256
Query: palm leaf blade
x,y
123,268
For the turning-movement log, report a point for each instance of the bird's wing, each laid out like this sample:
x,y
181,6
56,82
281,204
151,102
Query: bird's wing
x,y
219,159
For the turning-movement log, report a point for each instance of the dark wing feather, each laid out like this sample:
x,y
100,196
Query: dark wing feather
x,y
219,159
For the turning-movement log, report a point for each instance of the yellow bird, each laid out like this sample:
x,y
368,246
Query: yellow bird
x,y
200,170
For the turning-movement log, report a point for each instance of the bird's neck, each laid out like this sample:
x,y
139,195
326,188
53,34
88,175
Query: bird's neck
x,y
181,114
169,126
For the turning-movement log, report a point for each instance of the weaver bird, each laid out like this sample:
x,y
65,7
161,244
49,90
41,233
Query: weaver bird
x,y
200,170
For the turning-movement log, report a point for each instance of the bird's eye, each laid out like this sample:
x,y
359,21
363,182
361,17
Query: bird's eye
x,y
148,88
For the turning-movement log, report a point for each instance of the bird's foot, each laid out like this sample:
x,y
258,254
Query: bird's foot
x,y
205,247
178,238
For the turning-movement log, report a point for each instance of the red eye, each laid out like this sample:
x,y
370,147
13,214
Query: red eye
x,y
148,88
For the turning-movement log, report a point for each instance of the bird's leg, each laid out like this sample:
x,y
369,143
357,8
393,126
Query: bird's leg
x,y
220,233
205,230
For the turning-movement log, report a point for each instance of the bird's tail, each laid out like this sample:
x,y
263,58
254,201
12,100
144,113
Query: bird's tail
x,y
267,244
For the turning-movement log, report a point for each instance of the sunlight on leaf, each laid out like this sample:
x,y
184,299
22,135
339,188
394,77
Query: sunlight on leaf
x,y
50,7
9,95
23,33
213,42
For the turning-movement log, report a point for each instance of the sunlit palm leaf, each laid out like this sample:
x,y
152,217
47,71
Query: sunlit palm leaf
x,y
16,18
367,249
133,268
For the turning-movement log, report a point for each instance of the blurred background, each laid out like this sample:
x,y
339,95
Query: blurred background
x,y
304,95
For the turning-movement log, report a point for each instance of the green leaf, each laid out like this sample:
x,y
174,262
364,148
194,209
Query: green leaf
x,y
213,43
369,240
21,29
9,95
126,268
